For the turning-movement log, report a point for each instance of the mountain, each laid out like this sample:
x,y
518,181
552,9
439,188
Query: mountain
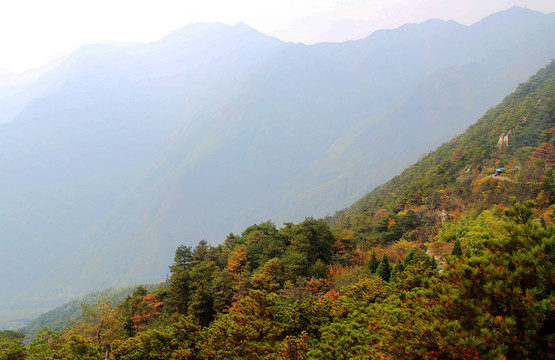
x,y
460,260
508,153
121,152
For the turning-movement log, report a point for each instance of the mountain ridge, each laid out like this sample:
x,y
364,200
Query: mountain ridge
x,y
209,137
430,260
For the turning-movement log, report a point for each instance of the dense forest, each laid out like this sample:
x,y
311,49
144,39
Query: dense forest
x,y
452,259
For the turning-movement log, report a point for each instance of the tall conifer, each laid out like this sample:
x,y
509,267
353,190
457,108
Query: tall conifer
x,y
384,269
457,250
373,262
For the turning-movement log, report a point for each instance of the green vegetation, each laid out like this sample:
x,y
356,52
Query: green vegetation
x,y
11,345
444,261
63,316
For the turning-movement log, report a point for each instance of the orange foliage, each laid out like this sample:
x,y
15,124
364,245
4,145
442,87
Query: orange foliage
x,y
332,295
339,248
317,287
335,270
391,222
150,309
398,250
237,260
380,213
359,256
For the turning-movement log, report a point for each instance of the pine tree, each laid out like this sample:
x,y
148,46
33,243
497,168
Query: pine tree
x,y
457,250
372,263
395,271
509,287
384,269
410,258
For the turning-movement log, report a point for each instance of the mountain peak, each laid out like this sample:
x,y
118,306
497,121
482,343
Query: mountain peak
x,y
207,32
242,25
191,30
513,14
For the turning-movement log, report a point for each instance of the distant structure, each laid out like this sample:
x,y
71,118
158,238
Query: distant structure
x,y
504,139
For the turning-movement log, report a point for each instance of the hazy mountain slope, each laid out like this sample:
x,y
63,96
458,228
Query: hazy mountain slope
x,y
69,156
221,167
459,174
234,190
436,108
137,149
478,83
379,146
446,200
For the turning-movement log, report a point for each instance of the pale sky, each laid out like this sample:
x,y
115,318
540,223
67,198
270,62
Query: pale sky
x,y
34,31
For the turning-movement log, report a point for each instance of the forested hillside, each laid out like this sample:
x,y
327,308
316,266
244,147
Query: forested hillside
x,y
516,137
453,259
63,316
118,153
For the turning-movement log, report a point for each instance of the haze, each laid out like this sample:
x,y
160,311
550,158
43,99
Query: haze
x,y
32,31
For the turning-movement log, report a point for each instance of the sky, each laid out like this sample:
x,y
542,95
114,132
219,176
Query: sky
x,y
32,32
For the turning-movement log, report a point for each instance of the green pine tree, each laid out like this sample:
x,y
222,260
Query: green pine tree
x,y
384,269
457,250
410,258
399,267
372,263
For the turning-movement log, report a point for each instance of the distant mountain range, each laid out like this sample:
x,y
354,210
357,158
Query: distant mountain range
x,y
448,200
121,152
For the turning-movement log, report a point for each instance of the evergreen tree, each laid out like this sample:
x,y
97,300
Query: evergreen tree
x,y
510,287
183,256
410,258
179,291
384,269
372,263
457,250
399,267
